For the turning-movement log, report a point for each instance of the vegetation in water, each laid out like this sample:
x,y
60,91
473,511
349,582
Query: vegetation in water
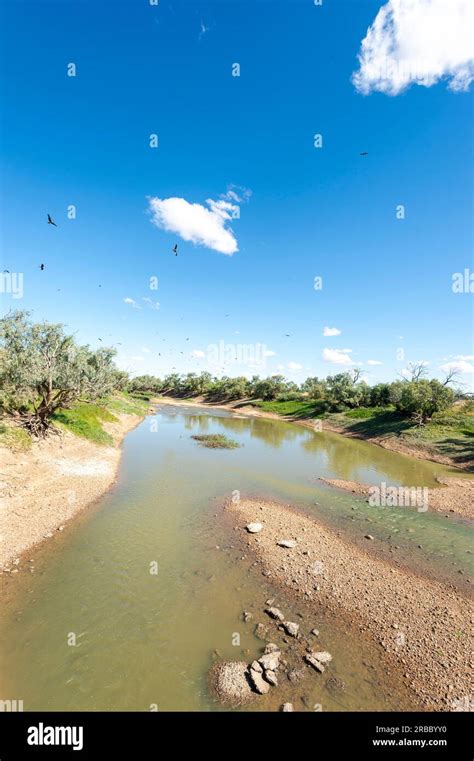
x,y
215,441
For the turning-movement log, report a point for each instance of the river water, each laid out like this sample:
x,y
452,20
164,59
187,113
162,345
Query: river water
x,y
147,639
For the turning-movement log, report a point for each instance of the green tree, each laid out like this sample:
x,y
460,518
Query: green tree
x,y
45,367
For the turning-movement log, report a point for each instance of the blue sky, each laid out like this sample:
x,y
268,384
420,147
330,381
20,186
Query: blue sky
x,y
327,212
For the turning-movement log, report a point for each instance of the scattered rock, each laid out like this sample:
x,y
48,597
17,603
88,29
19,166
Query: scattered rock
x,y
291,628
334,685
323,657
255,666
260,685
315,632
254,528
270,661
271,678
261,631
275,613
271,648
368,536
296,675
287,708
314,663
288,543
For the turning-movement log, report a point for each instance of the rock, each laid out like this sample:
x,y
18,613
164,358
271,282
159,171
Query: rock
x,y
275,613
315,632
246,616
323,657
287,708
255,666
254,528
271,678
291,628
368,536
260,685
271,661
317,665
334,685
288,543
261,631
271,648
229,679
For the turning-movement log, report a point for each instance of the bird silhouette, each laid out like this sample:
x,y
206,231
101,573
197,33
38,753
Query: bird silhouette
x,y
50,221
7,271
41,266
175,249
364,153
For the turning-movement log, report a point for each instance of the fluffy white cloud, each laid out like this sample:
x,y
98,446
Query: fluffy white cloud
x,y
466,357
132,302
417,41
198,353
331,332
459,365
338,356
374,362
294,366
269,353
196,223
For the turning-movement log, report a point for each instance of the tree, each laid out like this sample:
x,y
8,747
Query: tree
x,y
269,388
43,365
422,398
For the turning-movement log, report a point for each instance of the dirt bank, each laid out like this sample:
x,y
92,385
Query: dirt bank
x,y
456,497
421,626
43,488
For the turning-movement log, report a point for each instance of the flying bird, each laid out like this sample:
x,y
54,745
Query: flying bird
x,y
175,249
50,221
364,153
9,273
41,266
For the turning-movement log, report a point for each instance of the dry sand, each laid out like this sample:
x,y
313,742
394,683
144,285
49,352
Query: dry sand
x,y
423,627
43,488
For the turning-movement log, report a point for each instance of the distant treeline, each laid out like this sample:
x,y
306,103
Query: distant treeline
x,y
42,369
415,396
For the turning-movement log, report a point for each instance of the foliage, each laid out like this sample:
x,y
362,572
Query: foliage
x,y
215,441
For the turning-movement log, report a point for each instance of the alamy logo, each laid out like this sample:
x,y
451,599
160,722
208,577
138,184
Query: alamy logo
x,y
42,735
11,705
399,496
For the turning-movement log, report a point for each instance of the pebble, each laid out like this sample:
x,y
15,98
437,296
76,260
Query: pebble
x,y
287,708
254,528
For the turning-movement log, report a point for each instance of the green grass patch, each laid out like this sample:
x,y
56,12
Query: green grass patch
x,y
86,420
128,404
215,441
293,408
14,438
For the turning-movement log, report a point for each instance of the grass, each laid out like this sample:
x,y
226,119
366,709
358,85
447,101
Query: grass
x,y
86,420
215,441
14,438
294,408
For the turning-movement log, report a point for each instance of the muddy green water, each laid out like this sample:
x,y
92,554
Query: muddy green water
x,y
147,639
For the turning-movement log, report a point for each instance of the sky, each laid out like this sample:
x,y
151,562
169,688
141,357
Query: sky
x,y
234,131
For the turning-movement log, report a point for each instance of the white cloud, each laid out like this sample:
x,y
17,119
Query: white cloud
x,y
145,350
331,332
152,304
294,366
198,353
269,353
374,362
466,357
237,194
461,365
132,302
338,356
196,223
417,42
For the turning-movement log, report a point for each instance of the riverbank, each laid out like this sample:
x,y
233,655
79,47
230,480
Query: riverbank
x,y
45,486
420,626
